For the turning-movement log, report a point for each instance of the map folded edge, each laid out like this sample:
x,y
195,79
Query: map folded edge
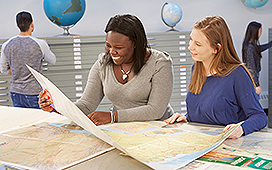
x,y
71,111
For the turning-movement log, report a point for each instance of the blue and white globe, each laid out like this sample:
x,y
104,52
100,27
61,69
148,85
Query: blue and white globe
x,y
171,14
64,13
254,3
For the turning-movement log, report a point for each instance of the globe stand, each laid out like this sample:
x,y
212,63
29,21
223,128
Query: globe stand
x,y
172,29
66,31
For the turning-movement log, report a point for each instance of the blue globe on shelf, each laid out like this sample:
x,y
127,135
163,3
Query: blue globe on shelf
x,y
254,3
171,14
64,13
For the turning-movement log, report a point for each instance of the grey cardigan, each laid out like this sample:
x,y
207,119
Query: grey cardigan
x,y
145,97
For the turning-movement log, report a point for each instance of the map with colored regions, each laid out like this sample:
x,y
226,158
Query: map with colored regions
x,y
49,146
162,148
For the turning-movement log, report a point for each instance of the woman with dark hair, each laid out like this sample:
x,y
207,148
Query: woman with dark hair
x,y
137,80
221,90
251,51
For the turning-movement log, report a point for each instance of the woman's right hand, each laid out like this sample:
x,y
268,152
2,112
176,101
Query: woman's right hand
x,y
258,90
176,117
44,104
238,132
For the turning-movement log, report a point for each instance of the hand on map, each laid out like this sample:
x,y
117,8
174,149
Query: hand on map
x,y
176,117
44,104
99,118
236,133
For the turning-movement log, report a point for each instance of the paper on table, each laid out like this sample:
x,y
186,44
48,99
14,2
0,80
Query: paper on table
x,y
71,111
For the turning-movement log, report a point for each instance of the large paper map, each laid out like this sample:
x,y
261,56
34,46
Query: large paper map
x,y
59,145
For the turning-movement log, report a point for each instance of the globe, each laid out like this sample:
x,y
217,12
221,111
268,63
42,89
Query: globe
x,y
64,13
171,14
254,3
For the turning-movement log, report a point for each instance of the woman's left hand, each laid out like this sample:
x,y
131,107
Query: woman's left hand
x,y
238,132
99,118
176,117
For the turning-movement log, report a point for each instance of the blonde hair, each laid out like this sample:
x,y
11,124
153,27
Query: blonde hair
x,y
226,59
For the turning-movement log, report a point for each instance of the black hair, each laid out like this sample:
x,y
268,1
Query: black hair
x,y
252,33
130,26
23,20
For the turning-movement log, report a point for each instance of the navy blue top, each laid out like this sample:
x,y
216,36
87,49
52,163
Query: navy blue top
x,y
227,100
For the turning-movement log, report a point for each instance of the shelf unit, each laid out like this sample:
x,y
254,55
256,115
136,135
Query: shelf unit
x,y
270,81
76,55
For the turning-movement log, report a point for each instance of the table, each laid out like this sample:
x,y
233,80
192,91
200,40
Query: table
x,y
11,117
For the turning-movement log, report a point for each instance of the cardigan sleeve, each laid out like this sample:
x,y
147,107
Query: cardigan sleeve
x,y
93,92
266,46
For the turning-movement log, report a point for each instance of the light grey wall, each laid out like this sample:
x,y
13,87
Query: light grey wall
x,y
98,13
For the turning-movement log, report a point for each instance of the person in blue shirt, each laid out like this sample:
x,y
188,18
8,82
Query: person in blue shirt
x,y
221,91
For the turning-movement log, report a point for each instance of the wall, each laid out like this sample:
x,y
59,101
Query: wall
x,y
98,13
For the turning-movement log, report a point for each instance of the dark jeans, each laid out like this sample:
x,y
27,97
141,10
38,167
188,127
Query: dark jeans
x,y
26,101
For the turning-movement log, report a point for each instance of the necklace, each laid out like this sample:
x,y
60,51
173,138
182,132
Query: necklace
x,y
125,74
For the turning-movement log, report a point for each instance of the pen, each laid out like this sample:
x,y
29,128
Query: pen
x,y
3,143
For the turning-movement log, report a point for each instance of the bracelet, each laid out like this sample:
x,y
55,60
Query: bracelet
x,y
112,117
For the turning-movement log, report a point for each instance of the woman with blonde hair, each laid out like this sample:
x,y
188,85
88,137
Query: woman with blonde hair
x,y
221,90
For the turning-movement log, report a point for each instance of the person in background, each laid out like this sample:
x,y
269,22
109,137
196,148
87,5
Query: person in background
x,y
137,80
251,51
221,91
16,53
